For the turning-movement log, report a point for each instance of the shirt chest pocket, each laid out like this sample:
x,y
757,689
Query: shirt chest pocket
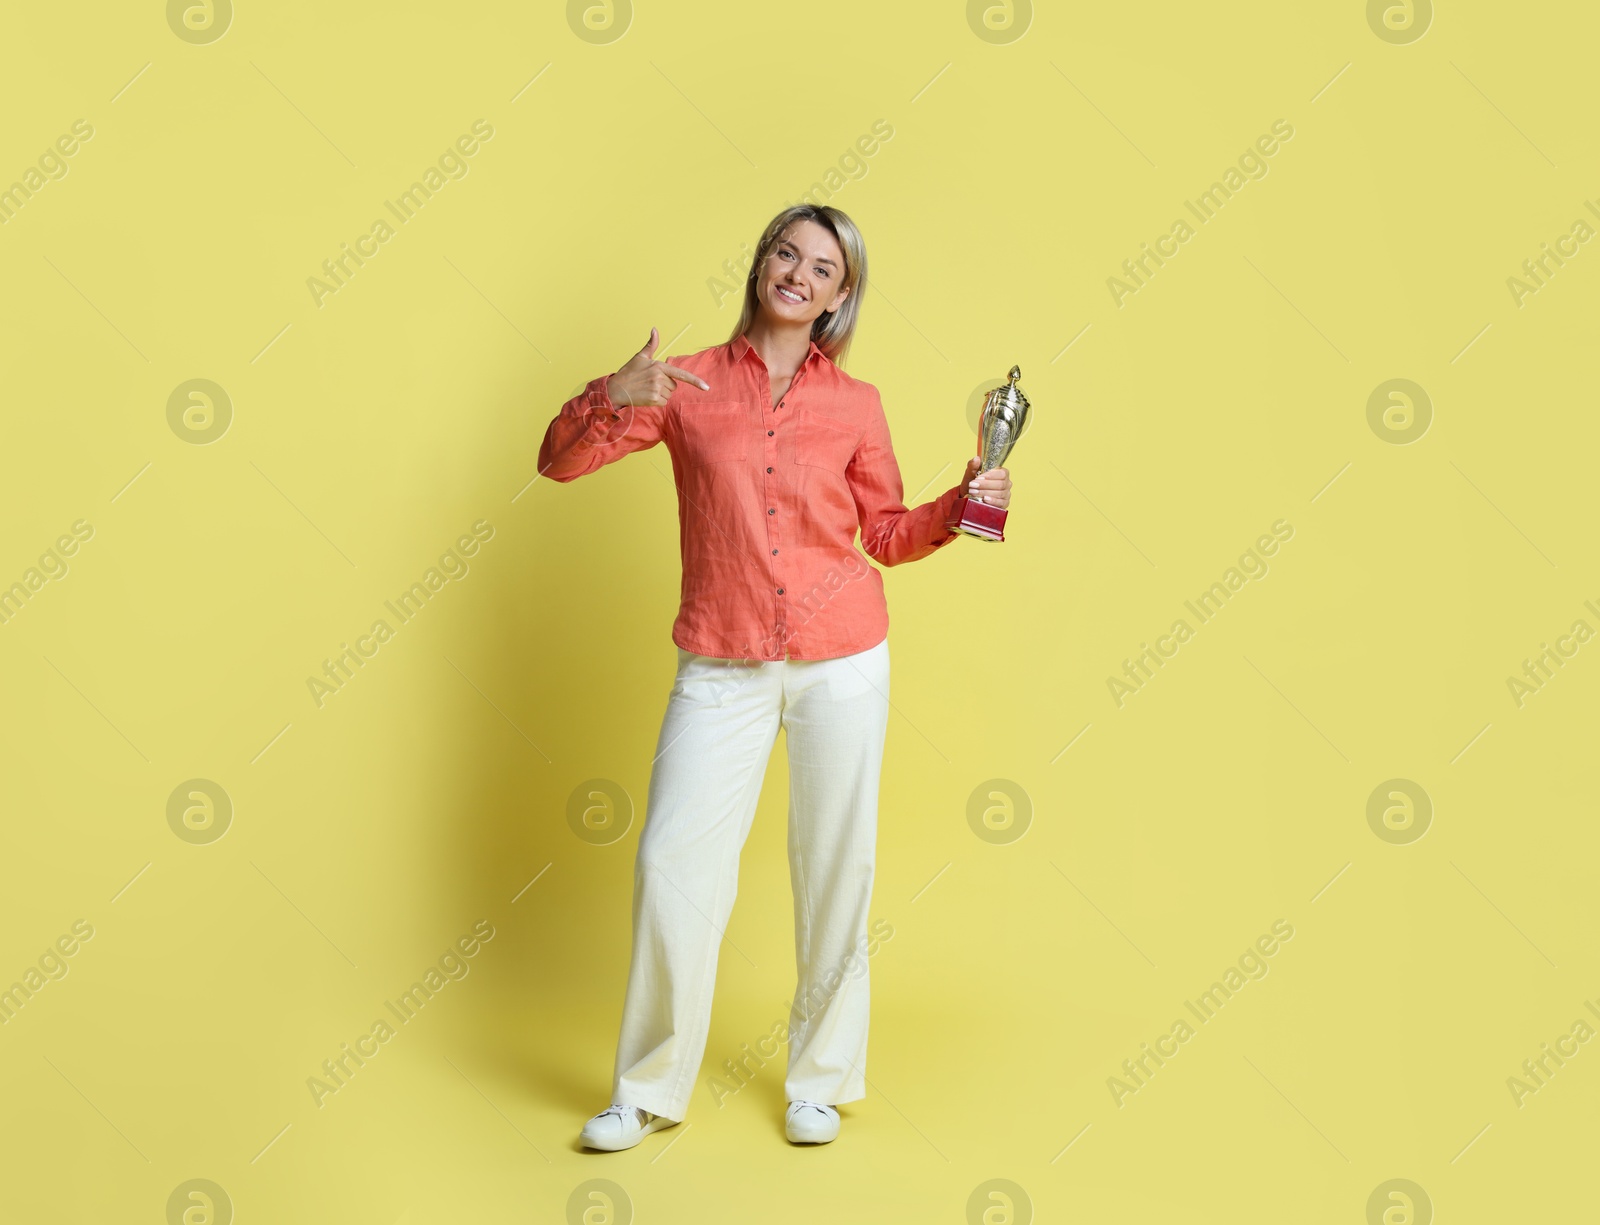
x,y
715,432
822,443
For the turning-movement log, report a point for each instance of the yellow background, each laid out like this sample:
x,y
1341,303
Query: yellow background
x,y
369,433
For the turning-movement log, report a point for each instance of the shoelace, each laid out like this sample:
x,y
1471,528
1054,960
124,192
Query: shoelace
x,y
802,1103
619,1109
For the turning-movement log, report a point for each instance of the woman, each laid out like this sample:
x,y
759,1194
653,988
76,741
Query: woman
x,y
780,458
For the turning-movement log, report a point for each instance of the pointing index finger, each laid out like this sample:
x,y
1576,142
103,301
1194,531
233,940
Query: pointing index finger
x,y
683,376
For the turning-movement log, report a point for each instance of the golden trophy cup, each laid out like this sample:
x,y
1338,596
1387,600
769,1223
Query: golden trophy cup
x,y
1005,413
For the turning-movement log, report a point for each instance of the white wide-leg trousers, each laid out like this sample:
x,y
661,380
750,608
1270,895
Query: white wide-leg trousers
x,y
721,721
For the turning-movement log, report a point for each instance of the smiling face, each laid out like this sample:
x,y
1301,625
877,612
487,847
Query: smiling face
x,y
804,275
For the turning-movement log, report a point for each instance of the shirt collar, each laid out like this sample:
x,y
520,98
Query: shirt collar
x,y
740,345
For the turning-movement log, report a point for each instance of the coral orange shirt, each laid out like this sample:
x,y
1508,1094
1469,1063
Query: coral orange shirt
x,y
770,498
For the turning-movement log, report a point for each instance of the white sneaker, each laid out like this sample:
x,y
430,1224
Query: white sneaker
x,y
810,1122
619,1127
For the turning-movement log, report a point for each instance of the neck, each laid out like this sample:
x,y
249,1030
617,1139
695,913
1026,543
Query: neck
x,y
782,346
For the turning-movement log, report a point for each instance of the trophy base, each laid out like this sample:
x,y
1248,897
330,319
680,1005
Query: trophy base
x,y
977,519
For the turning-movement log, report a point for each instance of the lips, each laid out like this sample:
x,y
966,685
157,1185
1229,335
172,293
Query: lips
x,y
787,294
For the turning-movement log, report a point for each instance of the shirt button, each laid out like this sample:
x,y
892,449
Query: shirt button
x,y
780,590
780,403
774,550
772,510
769,433
769,469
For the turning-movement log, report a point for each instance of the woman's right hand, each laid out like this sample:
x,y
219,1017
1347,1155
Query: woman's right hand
x,y
645,381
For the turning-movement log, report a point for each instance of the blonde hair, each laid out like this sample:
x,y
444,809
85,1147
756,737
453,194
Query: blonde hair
x,y
831,330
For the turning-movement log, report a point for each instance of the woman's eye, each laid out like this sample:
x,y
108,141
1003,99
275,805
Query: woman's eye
x,y
822,271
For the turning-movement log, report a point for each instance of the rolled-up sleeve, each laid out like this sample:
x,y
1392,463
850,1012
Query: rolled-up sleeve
x,y
590,432
891,533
